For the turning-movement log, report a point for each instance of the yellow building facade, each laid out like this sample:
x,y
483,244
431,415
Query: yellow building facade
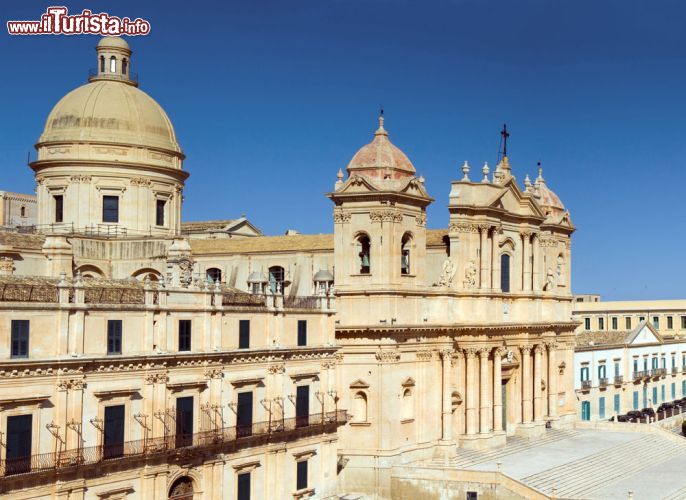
x,y
158,363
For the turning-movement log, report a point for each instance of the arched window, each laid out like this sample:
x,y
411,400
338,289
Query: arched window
x,y
124,66
102,64
182,489
214,275
22,211
407,405
113,64
363,247
405,253
360,407
276,279
505,273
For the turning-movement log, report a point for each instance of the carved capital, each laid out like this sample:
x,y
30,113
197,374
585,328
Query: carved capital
x,y
425,355
526,349
446,354
387,356
484,352
420,220
538,349
385,216
500,352
470,352
341,217
551,345
276,368
211,373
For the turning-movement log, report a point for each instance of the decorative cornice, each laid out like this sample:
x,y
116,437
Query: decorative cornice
x,y
425,355
77,179
276,368
463,227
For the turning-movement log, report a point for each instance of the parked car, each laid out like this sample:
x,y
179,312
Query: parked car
x,y
648,412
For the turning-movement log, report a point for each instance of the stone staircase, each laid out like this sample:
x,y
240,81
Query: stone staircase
x,y
578,479
515,444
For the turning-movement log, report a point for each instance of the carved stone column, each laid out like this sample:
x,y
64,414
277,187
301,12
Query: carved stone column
x,y
552,379
538,414
526,261
484,388
497,389
483,257
470,354
526,385
537,262
447,430
495,260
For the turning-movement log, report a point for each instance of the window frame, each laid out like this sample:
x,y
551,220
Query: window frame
x,y
20,335
114,337
244,334
110,215
160,214
185,335
59,207
302,473
302,332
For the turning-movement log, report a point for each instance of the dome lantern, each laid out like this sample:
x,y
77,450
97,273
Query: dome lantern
x,y
113,61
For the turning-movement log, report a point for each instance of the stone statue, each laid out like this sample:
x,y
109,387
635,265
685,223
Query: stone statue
x,y
550,280
447,274
185,272
470,275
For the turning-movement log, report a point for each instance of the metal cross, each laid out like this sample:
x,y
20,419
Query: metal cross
x,y
505,134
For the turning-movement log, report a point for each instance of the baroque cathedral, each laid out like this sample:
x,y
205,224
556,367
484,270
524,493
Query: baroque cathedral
x,y
144,357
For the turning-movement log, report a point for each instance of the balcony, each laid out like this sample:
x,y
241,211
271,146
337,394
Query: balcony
x,y
641,375
217,440
619,380
658,372
602,383
675,370
586,385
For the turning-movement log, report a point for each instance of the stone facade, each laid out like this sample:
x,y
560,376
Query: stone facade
x,y
430,340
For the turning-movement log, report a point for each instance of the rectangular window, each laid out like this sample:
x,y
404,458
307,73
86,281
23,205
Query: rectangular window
x,y
683,322
110,208
472,495
617,404
662,393
656,321
184,335
614,323
244,334
670,323
635,365
586,410
587,323
59,208
673,390
645,364
645,397
113,441
243,489
673,361
244,414
655,400
114,336
18,444
302,475
601,323
627,323
159,212
184,421
302,406
20,338
641,319
683,388
601,408
664,362
584,373
635,400
601,371
302,332
616,368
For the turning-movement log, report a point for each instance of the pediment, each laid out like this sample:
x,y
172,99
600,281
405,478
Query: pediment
x,y
512,199
414,188
408,382
644,333
357,184
359,384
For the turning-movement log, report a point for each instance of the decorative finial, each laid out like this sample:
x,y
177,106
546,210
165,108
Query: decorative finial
x,y
540,172
381,130
339,182
421,179
527,184
465,171
485,170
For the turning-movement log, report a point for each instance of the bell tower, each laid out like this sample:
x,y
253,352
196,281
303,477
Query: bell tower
x,y
379,220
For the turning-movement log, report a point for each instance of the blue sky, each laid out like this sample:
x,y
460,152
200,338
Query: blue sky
x,y
270,99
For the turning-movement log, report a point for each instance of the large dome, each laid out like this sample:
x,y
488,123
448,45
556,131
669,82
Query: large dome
x,y
110,111
381,158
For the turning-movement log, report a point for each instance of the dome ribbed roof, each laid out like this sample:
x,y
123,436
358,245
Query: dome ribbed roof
x,y
381,159
111,112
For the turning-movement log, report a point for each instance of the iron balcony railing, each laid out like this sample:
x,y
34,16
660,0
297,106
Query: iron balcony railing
x,y
93,74
154,447
602,382
586,384
619,379
675,370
